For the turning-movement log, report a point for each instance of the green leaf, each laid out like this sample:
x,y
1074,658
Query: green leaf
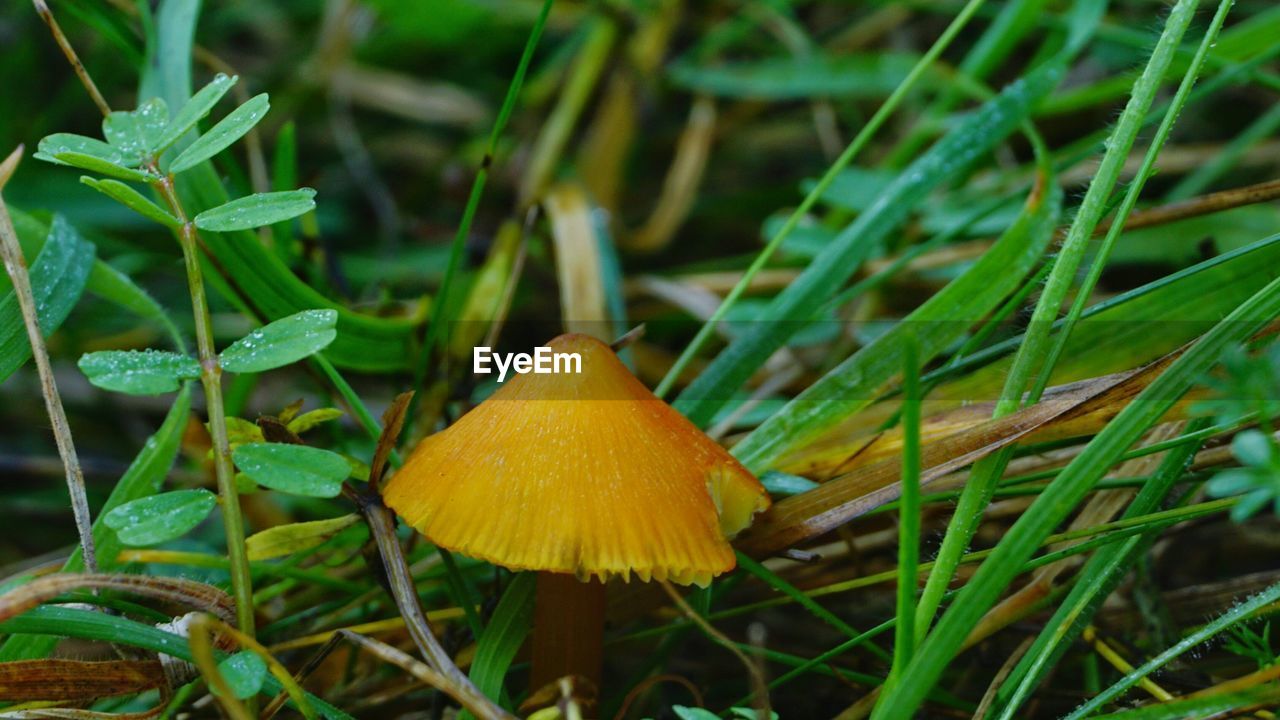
x,y
136,133
750,713
692,713
797,77
257,210
293,538
228,130
968,140
160,518
282,342
295,469
940,321
244,673
138,372
170,46
1102,573
308,420
98,165
58,278
1253,447
133,200
780,484
52,146
503,636
195,110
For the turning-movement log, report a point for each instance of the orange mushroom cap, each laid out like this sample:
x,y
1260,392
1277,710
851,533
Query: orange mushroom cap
x,y
586,473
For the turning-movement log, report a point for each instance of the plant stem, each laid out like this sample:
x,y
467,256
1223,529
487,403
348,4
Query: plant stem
x,y
211,379
909,515
1035,357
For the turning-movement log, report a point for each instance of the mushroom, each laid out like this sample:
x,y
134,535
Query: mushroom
x,y
583,477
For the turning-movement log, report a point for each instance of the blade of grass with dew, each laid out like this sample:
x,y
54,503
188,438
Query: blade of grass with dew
x,y
1100,575
904,633
93,625
1015,20
1104,570
1040,349
1064,493
1135,326
58,278
1145,170
940,321
1239,612
104,280
503,636
724,380
1252,35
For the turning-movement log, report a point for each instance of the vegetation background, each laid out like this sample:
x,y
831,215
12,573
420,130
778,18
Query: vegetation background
x,y
984,291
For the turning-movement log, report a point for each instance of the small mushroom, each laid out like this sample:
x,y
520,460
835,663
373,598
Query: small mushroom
x,y
582,477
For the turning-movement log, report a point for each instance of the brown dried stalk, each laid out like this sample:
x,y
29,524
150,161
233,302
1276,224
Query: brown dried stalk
x,y
466,694
43,10
16,266
196,595
760,687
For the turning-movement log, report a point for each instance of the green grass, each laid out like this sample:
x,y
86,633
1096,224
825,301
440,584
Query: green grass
x,y
949,272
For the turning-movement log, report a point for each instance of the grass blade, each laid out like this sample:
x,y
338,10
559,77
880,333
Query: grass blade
x,y
1065,493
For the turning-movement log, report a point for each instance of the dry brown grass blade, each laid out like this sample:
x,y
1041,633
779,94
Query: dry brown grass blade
x,y
760,688
9,165
437,103
582,297
680,188
65,45
392,423
63,680
16,266
1005,668
607,144
193,594
49,713
802,517
446,674
466,695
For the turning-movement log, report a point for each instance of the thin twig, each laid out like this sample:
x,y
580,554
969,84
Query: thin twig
x,y
17,269
47,16
466,694
761,688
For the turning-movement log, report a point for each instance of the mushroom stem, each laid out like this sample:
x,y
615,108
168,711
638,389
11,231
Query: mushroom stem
x,y
568,629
